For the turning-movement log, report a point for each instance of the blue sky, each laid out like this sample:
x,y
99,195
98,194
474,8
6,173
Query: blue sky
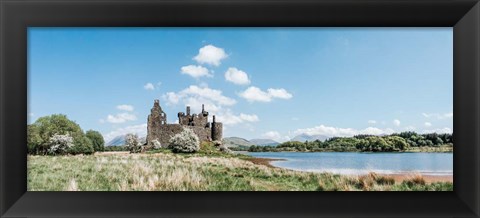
x,y
260,82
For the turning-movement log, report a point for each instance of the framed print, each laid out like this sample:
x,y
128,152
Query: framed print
x,y
239,108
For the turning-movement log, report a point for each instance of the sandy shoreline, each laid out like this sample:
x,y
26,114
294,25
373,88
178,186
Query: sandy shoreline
x,y
264,161
427,178
397,177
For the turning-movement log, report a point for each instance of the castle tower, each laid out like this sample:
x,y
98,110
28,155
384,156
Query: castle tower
x,y
204,113
156,118
157,114
217,130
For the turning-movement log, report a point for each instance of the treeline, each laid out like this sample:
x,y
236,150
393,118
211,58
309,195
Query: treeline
x,y
57,135
396,142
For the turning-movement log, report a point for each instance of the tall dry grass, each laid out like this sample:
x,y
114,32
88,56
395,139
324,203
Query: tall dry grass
x,y
173,172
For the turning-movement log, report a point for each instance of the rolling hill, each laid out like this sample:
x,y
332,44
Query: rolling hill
x,y
305,137
236,142
264,142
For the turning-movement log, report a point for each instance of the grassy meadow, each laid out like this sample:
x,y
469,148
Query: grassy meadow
x,y
203,171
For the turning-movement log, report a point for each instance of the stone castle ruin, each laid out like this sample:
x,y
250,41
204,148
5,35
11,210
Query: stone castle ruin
x,y
159,129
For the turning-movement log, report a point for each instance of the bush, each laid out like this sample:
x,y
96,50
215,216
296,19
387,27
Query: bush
x,y
97,140
185,142
225,149
156,144
59,144
133,143
415,180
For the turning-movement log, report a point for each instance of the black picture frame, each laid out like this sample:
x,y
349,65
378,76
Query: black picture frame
x,y
17,15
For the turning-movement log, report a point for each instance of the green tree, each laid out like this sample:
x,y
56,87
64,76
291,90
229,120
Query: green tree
x,y
57,124
376,143
33,139
97,140
82,145
398,143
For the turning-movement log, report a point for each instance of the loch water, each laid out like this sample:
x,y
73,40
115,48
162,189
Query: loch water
x,y
362,163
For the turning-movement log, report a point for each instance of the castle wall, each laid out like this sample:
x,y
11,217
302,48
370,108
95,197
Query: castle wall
x,y
163,133
183,119
158,129
204,134
200,120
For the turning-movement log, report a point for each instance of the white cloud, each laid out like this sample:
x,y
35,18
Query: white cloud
x,y
228,118
237,76
342,132
249,118
438,115
440,131
171,98
195,104
149,86
271,134
372,121
31,114
140,130
196,71
125,107
214,101
253,93
279,93
276,136
121,118
210,54
295,118
428,124
201,94
396,122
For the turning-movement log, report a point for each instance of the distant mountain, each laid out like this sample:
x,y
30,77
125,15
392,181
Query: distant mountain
x,y
120,140
236,142
310,138
264,142
117,141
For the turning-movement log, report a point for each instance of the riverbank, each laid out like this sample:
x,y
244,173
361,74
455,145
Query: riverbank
x,y
398,177
195,172
427,178
413,150
263,161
